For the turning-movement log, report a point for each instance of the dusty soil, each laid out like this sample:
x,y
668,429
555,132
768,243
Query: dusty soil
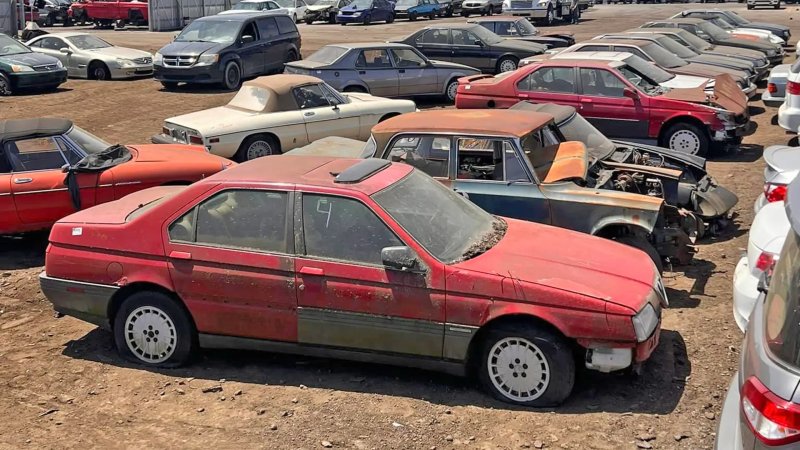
x,y
62,384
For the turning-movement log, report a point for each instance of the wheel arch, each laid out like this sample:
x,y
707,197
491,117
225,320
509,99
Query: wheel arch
x,y
356,84
263,133
619,227
143,286
678,119
388,116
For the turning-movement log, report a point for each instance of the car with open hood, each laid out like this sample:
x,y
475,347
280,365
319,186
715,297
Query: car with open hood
x,y
88,56
271,115
441,284
520,28
717,36
472,45
366,12
49,168
782,31
515,164
384,69
624,97
21,68
324,10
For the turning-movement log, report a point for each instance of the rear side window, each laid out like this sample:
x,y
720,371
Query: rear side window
x,y
434,36
267,28
550,79
374,59
286,25
782,307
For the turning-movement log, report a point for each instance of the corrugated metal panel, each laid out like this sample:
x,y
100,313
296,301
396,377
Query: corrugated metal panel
x,y
168,15
8,18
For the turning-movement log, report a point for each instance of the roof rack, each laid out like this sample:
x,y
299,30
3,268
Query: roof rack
x,y
361,171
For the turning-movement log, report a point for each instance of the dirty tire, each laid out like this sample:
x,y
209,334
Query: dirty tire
x,y
139,318
507,64
390,19
170,85
645,246
232,76
526,357
452,89
99,71
309,21
686,138
257,146
5,86
412,17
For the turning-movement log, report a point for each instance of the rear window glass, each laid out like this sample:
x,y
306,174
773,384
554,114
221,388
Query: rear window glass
x,y
782,308
327,55
286,25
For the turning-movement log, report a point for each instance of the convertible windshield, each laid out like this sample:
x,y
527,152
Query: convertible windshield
x,y
327,55
10,46
526,28
486,36
663,57
89,142
88,42
579,129
219,31
681,51
647,70
717,33
447,225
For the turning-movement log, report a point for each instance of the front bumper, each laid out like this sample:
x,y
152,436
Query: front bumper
x,y
86,301
609,359
27,80
745,292
474,8
350,19
138,70
538,13
733,132
750,90
769,100
729,433
196,74
777,59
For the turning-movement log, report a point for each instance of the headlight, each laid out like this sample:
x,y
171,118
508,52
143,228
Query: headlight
x,y
207,60
18,68
59,65
644,322
124,62
158,58
725,116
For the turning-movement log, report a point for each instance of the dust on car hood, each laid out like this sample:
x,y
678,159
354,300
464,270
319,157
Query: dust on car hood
x,y
727,95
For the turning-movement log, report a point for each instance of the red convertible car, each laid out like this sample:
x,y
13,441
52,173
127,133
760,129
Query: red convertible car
x,y
623,96
49,168
357,259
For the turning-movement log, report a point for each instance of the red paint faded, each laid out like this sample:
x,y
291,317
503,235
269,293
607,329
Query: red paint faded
x,y
586,287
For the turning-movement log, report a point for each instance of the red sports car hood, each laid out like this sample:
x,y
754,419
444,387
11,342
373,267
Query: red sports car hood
x,y
569,261
167,152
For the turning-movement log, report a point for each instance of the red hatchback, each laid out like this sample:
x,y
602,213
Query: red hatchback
x,y
357,259
623,96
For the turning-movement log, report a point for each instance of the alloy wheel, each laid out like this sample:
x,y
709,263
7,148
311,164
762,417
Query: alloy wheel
x,y
518,369
258,149
508,66
151,334
685,141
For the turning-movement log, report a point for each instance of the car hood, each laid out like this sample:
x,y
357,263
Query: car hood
x,y
747,43
767,26
189,48
708,71
212,121
680,81
735,52
162,153
726,94
569,261
454,66
520,46
783,163
120,52
28,59
317,8
722,61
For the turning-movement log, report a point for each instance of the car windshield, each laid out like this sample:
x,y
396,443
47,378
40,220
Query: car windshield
x,y
782,307
327,55
526,28
663,57
87,141
285,3
735,18
219,31
716,33
486,36
88,42
576,128
250,6
447,225
361,4
681,51
10,46
720,22
406,3
693,41
653,73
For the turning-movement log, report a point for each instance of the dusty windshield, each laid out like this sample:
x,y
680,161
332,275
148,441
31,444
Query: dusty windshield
x,y
485,35
526,28
663,57
219,31
679,50
10,46
327,55
694,41
782,307
653,74
88,42
579,129
447,225
717,33
735,18
641,82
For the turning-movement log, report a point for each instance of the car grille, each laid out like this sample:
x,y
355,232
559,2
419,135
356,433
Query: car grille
x,y
144,60
347,13
45,68
179,61
521,5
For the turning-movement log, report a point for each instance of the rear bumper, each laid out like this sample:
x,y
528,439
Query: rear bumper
x,y
85,301
769,100
729,433
196,74
745,293
28,80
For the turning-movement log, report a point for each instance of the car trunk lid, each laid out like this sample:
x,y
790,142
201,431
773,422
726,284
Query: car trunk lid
x,y
115,212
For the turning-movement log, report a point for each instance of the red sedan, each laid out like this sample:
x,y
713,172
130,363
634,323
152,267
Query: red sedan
x,y
359,259
49,168
623,96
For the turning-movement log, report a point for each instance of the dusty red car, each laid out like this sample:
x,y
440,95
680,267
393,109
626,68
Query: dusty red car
x,y
624,97
49,168
357,259
107,13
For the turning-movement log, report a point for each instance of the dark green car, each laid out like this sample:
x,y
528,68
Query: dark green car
x,y
21,68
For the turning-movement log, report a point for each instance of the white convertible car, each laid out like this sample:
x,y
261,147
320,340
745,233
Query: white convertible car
x,y
274,114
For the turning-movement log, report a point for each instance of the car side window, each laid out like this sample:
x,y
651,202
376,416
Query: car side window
x,y
461,37
267,28
550,79
244,219
34,154
373,59
332,96
286,25
601,82
595,48
310,96
632,50
404,57
434,36
344,229
300,3
249,30
430,154
506,29
52,43
485,159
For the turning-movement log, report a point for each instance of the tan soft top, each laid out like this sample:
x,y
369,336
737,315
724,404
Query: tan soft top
x,y
279,96
467,121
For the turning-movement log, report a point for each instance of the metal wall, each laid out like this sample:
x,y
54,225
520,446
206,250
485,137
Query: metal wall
x,y
166,15
8,17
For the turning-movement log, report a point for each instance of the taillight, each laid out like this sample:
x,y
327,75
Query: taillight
x,y
765,262
771,88
197,140
773,420
793,88
775,192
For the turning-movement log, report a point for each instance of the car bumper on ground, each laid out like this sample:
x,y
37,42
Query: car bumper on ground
x,y
789,118
139,70
760,202
86,301
538,13
745,292
729,434
196,74
29,80
769,100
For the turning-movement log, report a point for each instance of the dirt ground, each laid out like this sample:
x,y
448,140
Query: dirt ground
x,y
62,385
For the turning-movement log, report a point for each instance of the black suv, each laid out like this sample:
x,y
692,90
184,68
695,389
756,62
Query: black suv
x,y
227,48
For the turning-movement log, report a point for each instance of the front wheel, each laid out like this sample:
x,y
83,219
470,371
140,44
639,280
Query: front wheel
x,y
686,138
232,77
390,19
309,21
506,64
169,85
150,328
5,86
527,365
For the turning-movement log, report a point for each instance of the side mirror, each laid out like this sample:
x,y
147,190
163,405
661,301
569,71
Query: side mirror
x,y
246,39
400,258
630,93
479,43
65,51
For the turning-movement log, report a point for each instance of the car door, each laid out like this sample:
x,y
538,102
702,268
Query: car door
x,y
325,115
435,44
415,75
604,104
230,259
273,50
251,53
467,51
9,221
38,184
374,67
300,8
347,298
550,84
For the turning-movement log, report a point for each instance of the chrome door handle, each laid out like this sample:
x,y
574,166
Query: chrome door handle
x,y
309,114
22,180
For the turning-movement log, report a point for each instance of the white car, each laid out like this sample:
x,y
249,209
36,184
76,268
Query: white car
x,y
789,112
783,166
296,8
250,6
277,113
764,244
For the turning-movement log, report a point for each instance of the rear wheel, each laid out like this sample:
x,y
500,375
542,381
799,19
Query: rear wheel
x,y
645,246
256,147
390,19
452,89
686,138
507,64
432,16
357,89
412,17
309,21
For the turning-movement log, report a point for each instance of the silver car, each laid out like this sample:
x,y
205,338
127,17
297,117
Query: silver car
x,y
775,93
87,56
762,407
383,69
